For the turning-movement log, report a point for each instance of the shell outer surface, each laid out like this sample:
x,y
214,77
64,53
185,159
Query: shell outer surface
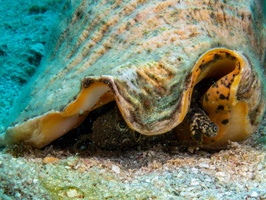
x,y
141,52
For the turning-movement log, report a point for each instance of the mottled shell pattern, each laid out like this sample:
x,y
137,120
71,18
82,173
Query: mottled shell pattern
x,y
147,55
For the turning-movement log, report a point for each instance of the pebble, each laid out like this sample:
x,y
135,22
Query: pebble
x,y
72,193
254,194
220,174
116,169
47,160
204,165
195,170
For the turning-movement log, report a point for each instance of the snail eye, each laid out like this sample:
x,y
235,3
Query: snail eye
x,y
215,128
122,126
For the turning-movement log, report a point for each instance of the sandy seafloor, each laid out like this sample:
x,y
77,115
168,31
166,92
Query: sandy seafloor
x,y
153,171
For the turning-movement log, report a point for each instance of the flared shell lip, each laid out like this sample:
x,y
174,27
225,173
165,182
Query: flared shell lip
x,y
75,113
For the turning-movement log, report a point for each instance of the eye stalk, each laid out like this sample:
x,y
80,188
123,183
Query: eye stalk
x,y
122,126
215,128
